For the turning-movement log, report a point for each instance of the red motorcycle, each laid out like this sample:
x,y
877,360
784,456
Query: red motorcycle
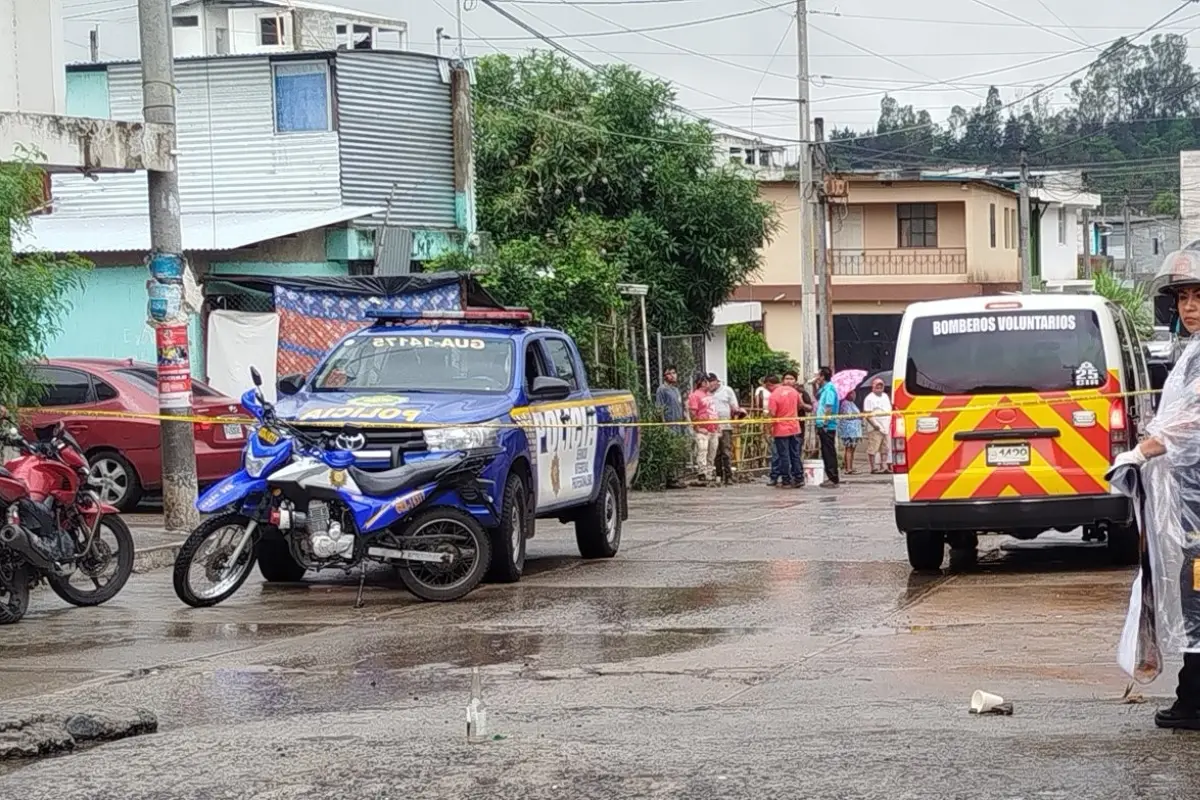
x,y
54,527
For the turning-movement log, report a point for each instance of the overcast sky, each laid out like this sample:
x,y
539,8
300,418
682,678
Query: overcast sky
x,y
931,53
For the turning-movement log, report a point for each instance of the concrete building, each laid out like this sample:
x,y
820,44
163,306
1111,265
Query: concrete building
x,y
1139,253
755,157
36,123
265,27
331,164
896,239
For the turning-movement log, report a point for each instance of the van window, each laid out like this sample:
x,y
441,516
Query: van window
x,y
1003,352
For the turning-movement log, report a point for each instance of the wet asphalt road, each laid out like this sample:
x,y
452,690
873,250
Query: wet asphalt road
x,y
746,643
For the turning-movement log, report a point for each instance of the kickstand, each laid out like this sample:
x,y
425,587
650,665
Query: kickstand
x,y
362,581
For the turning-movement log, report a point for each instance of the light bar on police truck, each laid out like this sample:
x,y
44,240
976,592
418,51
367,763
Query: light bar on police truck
x,y
466,315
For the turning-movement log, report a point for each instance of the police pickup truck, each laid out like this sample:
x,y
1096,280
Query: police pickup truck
x,y
415,384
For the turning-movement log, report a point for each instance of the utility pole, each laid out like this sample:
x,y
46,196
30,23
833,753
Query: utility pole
x,y
1086,222
439,35
94,43
1023,228
822,265
1128,237
167,268
808,289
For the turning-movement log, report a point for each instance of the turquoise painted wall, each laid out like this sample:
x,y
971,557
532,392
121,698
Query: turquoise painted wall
x,y
289,269
87,94
107,318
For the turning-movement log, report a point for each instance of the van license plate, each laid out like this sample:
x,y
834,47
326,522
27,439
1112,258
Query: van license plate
x,y
1008,455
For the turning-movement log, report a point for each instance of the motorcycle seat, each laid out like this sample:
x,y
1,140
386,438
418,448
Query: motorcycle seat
x,y
393,481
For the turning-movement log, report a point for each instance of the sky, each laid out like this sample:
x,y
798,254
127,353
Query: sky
x,y
933,54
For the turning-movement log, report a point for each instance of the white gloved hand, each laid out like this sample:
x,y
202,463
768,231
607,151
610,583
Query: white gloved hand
x,y
1132,457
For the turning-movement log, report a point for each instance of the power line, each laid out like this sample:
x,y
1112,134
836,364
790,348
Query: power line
x,y
654,28
991,24
1074,40
1050,10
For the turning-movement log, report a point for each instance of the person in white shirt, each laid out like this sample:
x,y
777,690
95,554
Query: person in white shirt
x,y
879,408
762,396
725,403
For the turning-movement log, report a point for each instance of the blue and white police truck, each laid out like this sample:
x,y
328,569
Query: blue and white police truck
x,y
416,385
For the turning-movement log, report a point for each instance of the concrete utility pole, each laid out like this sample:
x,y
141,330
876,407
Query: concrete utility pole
x,y
822,265
94,44
1024,228
808,289
1128,265
167,268
1086,272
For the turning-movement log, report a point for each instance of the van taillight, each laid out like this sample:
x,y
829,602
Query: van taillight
x,y
1118,430
899,452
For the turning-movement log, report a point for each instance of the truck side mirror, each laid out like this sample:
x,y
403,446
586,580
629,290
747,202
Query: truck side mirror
x,y
547,388
290,384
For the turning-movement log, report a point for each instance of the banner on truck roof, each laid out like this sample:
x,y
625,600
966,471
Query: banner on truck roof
x,y
312,321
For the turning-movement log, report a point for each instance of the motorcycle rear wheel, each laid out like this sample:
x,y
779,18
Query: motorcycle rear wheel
x,y
229,579
97,559
14,590
445,529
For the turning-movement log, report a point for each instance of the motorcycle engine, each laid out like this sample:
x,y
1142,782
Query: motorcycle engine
x,y
326,537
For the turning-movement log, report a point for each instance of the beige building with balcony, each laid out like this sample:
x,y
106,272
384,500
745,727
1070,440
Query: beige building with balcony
x,y
894,240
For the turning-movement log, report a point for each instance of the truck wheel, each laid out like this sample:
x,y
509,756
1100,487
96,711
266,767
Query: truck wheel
x,y
926,550
1124,545
276,563
508,540
598,527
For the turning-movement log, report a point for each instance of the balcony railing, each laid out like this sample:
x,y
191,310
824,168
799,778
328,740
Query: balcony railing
x,y
900,261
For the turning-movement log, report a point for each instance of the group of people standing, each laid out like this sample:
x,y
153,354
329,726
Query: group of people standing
x,y
711,407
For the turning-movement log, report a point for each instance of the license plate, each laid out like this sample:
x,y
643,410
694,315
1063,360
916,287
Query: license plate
x,y
267,436
233,432
1008,455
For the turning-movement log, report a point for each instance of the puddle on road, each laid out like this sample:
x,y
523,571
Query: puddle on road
x,y
33,641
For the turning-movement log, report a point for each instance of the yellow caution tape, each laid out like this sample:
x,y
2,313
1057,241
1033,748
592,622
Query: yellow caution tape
x,y
753,421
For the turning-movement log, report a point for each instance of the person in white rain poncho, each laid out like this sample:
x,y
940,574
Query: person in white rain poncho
x,y
1162,474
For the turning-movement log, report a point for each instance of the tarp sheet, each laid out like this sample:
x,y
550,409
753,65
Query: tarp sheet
x,y
238,340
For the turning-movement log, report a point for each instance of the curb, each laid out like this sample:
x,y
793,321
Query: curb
x,y
157,557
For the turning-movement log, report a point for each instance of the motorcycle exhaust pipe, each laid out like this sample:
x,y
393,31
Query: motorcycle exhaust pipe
x,y
17,539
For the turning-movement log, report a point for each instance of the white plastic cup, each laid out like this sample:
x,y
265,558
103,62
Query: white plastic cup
x,y
984,702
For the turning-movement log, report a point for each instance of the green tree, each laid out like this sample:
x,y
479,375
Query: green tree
x,y
749,358
578,168
33,286
1131,298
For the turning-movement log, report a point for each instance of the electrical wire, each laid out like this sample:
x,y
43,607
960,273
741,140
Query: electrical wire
x,y
652,29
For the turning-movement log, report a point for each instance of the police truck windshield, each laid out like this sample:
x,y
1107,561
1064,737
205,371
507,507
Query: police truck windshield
x,y
1005,352
418,362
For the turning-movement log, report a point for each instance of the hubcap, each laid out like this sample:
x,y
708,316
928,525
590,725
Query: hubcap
x,y
610,515
516,525
110,479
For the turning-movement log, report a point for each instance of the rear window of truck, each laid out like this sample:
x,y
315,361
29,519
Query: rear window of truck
x,y
1005,352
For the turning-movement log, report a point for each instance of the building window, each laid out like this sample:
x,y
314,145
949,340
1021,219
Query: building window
x,y
1156,246
1062,226
302,97
918,224
992,223
270,31
1007,228
222,41
186,22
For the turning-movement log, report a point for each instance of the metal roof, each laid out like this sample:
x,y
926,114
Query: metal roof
x,y
226,231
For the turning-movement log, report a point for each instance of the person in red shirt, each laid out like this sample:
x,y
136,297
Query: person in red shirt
x,y
704,426
784,406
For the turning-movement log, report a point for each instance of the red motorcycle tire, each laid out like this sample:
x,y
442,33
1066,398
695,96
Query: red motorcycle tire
x,y
76,596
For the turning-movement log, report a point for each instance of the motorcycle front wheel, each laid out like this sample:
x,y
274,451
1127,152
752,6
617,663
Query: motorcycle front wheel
x,y
14,588
103,569
442,529
204,574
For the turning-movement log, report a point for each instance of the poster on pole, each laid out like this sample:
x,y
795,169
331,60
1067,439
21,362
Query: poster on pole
x,y
174,367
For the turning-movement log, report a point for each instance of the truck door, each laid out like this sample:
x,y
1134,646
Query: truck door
x,y
572,457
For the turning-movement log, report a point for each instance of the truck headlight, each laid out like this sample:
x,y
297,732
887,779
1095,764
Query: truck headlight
x,y
451,439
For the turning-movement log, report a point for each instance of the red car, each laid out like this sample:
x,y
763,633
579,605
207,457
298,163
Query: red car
x,y
125,454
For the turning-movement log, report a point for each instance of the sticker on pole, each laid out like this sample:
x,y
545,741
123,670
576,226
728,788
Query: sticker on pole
x,y
174,367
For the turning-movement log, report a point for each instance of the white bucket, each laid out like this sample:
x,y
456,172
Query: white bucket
x,y
814,472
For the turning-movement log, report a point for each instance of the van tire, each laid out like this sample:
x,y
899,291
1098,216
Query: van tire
x,y
926,550
1124,545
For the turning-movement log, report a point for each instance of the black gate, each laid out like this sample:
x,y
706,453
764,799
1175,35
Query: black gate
x,y
865,341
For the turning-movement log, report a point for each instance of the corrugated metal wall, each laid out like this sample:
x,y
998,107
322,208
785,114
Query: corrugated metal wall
x,y
395,122
230,158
